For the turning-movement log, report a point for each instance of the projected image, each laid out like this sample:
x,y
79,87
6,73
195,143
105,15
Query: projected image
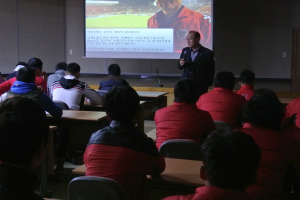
x,y
145,26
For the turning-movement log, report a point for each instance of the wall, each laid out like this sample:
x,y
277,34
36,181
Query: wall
x,y
31,28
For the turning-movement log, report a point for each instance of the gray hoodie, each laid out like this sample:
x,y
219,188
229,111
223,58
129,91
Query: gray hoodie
x,y
52,78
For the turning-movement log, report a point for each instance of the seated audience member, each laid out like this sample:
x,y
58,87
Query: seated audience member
x,y
35,64
24,133
292,112
24,86
247,81
280,164
119,151
230,162
60,69
18,66
183,120
222,103
71,91
113,78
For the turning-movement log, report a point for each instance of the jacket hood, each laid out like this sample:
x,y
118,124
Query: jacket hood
x,y
60,73
20,87
68,83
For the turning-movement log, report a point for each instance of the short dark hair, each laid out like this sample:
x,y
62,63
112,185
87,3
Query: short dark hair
x,y
26,74
121,103
224,79
35,63
264,109
61,65
185,91
73,68
196,34
22,63
247,77
231,159
114,69
23,130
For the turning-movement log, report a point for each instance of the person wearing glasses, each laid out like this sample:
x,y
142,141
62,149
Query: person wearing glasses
x,y
197,63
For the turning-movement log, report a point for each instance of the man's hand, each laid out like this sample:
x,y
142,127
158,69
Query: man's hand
x,y
182,61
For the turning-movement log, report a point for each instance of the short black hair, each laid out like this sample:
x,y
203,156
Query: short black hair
x,y
247,77
35,63
121,103
21,63
73,68
231,159
185,91
224,79
114,69
26,74
264,109
23,130
196,34
61,65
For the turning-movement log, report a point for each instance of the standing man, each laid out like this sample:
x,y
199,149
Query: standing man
x,y
197,63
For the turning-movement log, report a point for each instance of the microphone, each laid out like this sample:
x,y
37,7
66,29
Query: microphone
x,y
184,55
158,84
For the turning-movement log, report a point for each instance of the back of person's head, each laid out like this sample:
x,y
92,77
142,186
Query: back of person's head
x,y
231,159
121,103
24,130
73,68
61,65
35,63
26,74
114,69
185,91
247,77
264,109
22,64
224,79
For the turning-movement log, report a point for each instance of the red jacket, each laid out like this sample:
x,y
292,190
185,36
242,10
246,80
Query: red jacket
x,y
182,121
39,81
222,104
121,153
279,149
293,108
212,193
246,91
185,21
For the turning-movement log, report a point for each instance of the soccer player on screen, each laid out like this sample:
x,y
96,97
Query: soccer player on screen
x,y
182,20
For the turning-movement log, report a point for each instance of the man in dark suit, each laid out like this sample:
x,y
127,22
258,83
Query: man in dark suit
x,y
198,63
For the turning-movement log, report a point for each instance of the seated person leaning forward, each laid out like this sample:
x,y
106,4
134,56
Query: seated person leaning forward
x,y
72,91
24,133
183,120
279,168
222,103
113,78
119,151
25,86
230,162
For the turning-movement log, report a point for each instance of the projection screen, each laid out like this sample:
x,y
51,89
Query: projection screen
x,y
150,29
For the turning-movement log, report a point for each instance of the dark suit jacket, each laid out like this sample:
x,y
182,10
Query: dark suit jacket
x,y
202,70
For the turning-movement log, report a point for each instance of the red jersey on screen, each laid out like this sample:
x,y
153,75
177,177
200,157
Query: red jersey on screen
x,y
246,91
182,22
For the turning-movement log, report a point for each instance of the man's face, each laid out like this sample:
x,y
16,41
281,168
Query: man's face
x,y
168,5
192,41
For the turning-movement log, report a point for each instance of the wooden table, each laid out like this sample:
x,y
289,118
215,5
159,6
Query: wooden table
x,y
179,173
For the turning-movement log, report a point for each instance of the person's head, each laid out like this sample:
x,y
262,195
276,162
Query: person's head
x,y
224,79
247,77
114,69
24,132
35,64
264,110
185,91
26,75
193,39
230,159
121,103
73,69
170,5
61,65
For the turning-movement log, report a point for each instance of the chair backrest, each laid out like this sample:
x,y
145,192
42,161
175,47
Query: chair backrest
x,y
221,125
181,149
101,92
95,188
62,105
